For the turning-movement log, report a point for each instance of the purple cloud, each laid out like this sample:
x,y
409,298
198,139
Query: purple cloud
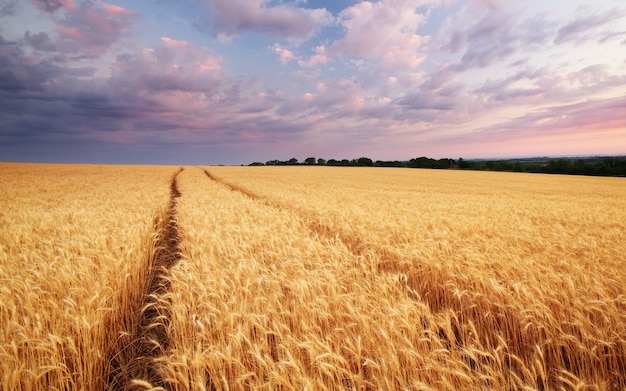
x,y
573,31
40,41
173,92
8,7
20,73
539,86
92,29
508,90
495,37
51,5
284,21
387,73
88,29
157,70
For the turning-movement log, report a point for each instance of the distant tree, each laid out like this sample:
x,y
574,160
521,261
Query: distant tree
x,y
503,165
560,166
364,161
321,162
256,164
309,161
345,162
394,163
333,162
463,164
292,162
444,163
422,162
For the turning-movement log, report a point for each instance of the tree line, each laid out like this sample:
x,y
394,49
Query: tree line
x,y
600,165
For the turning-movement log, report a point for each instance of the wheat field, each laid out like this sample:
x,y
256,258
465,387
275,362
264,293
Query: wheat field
x,y
310,278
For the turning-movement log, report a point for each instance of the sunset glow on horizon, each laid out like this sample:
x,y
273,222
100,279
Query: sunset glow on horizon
x,y
237,81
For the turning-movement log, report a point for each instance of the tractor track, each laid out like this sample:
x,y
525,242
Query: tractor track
x,y
317,228
462,315
148,339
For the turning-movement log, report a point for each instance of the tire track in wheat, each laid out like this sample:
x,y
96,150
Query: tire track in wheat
x,y
490,329
316,227
135,364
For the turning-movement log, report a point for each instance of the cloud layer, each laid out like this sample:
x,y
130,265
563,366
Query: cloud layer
x,y
236,81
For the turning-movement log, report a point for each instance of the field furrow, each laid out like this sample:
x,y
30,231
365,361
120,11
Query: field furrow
x,y
530,311
75,244
136,362
309,278
262,303
317,227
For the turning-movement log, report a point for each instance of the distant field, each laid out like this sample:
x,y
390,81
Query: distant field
x,y
310,278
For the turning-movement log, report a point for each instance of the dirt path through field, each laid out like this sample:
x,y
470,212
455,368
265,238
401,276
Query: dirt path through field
x,y
137,362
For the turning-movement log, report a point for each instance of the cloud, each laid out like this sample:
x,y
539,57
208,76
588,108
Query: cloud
x,y
52,5
88,29
387,74
493,38
317,60
596,119
284,21
282,54
477,37
19,73
8,7
172,76
385,31
520,88
91,28
544,85
40,41
573,31
174,92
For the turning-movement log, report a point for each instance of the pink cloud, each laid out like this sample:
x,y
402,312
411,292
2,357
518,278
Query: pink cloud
x,y
385,30
283,55
89,29
318,59
597,126
93,28
173,66
173,43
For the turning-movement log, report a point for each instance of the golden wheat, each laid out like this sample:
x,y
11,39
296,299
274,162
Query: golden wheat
x,y
523,274
307,278
73,253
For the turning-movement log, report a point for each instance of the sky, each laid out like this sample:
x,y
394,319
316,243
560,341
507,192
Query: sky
x,y
237,81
